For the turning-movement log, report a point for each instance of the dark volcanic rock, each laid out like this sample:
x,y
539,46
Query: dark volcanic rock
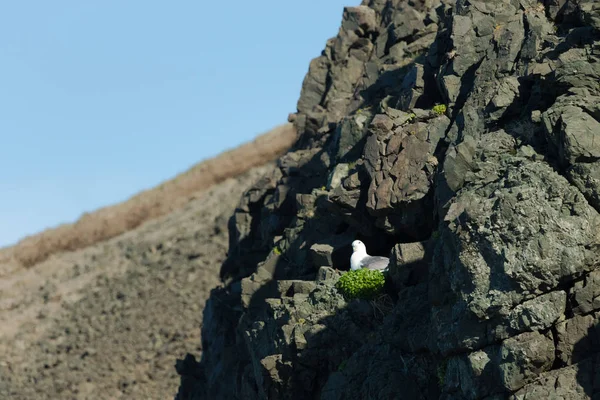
x,y
501,368
515,230
458,139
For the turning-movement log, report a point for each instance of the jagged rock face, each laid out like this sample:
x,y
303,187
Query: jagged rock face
x,y
488,208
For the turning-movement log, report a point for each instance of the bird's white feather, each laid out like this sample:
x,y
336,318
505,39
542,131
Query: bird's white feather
x,y
360,258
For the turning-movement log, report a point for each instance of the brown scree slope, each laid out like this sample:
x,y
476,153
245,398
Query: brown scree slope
x,y
109,321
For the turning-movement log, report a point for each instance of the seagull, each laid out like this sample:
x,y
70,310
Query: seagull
x,y
360,258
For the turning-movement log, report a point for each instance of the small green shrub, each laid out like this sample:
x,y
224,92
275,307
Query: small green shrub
x,y
441,372
277,250
439,109
361,284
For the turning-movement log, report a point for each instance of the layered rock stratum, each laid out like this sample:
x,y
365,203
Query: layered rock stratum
x,y
457,137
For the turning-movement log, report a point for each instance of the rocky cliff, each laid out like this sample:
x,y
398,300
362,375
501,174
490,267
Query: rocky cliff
x,y
459,139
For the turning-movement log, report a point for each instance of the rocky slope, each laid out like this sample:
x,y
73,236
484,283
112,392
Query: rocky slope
x,y
488,208
110,321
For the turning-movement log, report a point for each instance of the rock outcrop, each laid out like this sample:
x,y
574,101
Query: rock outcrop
x,y
458,138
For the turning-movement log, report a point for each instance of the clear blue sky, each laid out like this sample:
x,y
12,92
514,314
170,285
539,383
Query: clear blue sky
x,y
102,99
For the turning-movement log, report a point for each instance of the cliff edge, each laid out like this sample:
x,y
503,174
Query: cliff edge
x,y
459,139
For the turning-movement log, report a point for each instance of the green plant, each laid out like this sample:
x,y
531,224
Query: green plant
x,y
362,110
277,250
361,284
439,109
408,118
441,372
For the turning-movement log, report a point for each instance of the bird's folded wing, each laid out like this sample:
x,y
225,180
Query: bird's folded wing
x,y
375,262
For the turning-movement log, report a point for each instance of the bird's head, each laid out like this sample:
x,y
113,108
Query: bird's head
x,y
358,246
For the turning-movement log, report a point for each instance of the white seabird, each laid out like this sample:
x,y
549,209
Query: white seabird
x,y
360,258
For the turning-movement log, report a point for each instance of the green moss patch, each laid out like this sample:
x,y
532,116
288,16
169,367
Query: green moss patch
x,y
361,284
439,109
